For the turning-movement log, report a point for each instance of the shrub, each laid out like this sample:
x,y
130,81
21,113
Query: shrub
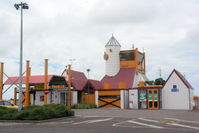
x,y
36,112
7,114
84,106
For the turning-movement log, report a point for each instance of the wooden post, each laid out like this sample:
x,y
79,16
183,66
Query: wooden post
x,y
1,80
46,82
27,96
15,96
69,85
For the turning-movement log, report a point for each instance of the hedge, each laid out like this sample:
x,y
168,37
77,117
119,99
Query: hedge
x,y
34,112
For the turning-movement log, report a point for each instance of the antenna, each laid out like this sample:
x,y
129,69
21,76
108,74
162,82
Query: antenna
x,y
160,72
133,47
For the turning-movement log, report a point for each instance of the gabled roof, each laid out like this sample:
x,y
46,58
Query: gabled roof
x,y
95,84
79,80
125,75
183,79
33,79
112,42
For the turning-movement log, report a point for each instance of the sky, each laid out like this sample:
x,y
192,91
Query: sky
x,y
167,30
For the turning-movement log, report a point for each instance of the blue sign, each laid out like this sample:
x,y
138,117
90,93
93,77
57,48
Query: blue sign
x,y
174,90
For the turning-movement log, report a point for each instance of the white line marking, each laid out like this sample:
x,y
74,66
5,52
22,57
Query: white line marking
x,y
116,124
92,121
182,120
148,120
144,124
180,125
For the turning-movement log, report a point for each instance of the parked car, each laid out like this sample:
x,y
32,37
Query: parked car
x,y
7,104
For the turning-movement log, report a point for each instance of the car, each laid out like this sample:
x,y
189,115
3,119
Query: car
x,y
7,104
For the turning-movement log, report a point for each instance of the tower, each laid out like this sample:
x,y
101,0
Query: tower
x,y
111,56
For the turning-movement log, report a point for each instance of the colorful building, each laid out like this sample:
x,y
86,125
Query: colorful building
x,y
123,86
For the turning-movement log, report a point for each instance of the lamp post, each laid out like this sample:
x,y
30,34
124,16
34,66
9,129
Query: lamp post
x,y
21,6
88,89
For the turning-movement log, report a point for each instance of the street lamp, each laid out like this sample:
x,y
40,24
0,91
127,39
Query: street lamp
x,y
88,70
21,6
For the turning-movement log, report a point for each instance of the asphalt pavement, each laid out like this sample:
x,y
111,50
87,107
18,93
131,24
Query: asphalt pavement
x,y
111,121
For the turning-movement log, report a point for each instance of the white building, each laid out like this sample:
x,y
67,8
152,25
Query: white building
x,y
177,92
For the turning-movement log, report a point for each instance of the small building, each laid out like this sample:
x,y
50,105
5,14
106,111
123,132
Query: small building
x,y
57,88
177,92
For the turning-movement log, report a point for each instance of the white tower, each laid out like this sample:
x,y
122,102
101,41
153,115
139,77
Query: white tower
x,y
112,56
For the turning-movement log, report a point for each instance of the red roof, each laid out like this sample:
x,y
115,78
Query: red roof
x,y
183,79
33,79
125,75
79,80
96,84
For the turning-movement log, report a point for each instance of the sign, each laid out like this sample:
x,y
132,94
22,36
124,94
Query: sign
x,y
174,90
46,91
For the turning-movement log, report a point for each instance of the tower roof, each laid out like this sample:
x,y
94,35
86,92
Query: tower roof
x,y
112,42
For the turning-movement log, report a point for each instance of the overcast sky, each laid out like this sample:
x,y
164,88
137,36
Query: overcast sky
x,y
79,29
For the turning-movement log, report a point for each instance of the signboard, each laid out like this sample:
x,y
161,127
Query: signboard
x,y
174,90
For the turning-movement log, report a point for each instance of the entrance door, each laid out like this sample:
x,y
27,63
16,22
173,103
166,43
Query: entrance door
x,y
153,98
62,98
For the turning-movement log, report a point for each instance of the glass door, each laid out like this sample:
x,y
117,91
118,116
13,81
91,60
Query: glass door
x,y
153,98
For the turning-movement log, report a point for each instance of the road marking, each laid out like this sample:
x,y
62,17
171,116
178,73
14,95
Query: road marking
x,y
116,124
180,125
92,121
144,124
182,120
12,124
148,120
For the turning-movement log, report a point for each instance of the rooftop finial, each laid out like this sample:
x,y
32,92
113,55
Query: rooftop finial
x,y
112,34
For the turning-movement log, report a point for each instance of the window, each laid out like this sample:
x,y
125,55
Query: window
x,y
41,98
174,86
127,56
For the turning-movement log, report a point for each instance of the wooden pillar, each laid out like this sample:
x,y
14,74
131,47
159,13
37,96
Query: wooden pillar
x,y
15,96
136,59
1,80
69,85
27,96
46,82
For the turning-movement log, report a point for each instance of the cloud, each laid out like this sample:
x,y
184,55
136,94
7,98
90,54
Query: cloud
x,y
64,29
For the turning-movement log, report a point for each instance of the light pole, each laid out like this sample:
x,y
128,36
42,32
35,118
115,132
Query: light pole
x,y
21,6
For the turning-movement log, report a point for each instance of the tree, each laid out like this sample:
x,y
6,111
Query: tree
x,y
160,81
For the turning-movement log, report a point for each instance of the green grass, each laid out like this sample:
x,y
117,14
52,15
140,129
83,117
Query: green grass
x,y
84,106
34,112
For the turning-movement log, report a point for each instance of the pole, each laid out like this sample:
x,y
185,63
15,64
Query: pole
x,y
1,81
21,65
15,96
27,96
69,85
46,82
